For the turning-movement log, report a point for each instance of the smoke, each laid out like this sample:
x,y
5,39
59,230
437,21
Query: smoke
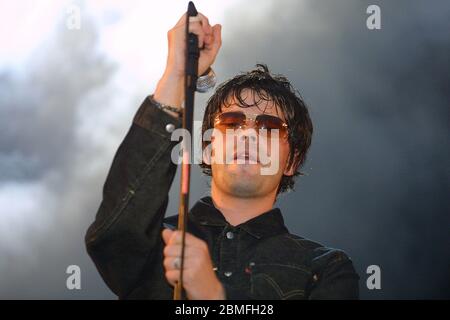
x,y
48,161
377,173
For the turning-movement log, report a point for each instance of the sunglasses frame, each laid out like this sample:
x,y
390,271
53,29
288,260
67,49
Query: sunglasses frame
x,y
253,117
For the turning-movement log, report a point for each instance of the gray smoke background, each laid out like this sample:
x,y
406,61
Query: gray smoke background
x,y
377,182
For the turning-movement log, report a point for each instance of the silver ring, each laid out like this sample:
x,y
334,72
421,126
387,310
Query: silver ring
x,y
177,263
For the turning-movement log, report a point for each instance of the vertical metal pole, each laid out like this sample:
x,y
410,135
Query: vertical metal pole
x,y
191,75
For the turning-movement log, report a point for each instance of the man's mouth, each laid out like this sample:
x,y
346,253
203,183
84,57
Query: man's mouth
x,y
246,157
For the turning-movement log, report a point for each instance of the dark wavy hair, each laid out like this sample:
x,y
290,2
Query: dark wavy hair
x,y
266,87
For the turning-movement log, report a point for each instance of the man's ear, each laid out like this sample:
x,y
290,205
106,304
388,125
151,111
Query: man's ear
x,y
291,168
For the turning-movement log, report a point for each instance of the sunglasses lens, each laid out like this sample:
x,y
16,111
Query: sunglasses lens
x,y
270,123
230,120
236,120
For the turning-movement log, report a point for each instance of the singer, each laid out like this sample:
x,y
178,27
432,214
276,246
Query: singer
x,y
237,245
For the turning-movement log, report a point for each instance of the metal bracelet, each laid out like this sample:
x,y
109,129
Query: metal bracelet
x,y
162,106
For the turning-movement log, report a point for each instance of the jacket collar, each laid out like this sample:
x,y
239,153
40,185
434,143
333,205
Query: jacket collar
x,y
269,223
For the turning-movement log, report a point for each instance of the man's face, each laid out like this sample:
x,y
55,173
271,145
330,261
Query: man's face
x,y
252,163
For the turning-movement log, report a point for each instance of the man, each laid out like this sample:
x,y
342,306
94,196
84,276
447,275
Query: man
x,y
237,246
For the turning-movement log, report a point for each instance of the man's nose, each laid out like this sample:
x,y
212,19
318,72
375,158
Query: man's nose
x,y
247,134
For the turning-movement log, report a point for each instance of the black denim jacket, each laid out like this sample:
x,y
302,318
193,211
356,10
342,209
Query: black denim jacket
x,y
258,259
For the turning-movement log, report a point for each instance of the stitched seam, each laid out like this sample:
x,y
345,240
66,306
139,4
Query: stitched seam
x,y
107,223
287,266
294,293
272,283
280,292
296,241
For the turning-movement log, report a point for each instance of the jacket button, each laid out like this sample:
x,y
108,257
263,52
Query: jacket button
x,y
228,274
230,235
170,127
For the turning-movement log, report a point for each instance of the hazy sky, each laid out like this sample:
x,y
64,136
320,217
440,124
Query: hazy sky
x,y
377,183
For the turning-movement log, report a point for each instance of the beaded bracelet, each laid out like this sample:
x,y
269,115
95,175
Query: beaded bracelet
x,y
162,106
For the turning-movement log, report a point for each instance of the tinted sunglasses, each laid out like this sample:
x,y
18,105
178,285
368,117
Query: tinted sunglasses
x,y
239,120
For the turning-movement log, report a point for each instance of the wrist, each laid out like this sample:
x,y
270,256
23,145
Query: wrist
x,y
170,90
173,76
174,111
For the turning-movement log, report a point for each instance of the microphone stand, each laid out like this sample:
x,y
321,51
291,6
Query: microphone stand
x,y
191,75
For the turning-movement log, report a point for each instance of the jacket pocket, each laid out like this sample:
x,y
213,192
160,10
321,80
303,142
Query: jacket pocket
x,y
278,281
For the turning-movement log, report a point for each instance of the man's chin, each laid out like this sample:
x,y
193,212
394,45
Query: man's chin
x,y
245,188
246,169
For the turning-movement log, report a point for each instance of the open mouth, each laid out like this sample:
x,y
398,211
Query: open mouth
x,y
245,158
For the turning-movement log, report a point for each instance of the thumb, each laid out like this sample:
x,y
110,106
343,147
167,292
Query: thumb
x,y
217,31
166,234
